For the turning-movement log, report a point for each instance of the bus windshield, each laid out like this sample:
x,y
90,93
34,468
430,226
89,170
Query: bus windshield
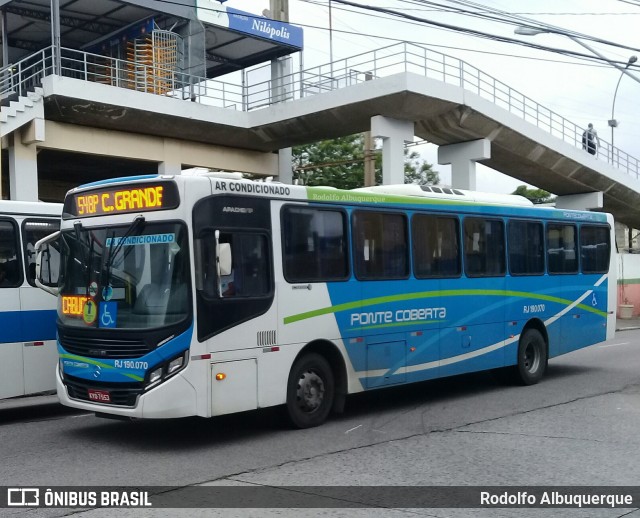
x,y
132,276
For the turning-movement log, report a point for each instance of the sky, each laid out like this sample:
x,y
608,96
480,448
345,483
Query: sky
x,y
580,90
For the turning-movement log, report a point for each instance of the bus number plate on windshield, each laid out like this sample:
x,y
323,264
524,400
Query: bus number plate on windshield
x,y
100,396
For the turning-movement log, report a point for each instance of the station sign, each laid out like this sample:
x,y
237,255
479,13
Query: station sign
x,y
215,13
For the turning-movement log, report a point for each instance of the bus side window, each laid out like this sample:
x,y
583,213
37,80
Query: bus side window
x,y
484,247
380,245
595,248
32,232
10,276
561,248
250,273
315,244
250,265
436,246
526,247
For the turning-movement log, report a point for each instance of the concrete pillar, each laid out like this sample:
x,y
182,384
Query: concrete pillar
x,y
171,165
394,134
585,201
285,165
282,88
23,170
169,168
463,157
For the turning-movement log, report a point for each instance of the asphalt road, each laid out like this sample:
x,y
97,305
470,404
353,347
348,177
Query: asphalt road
x,y
580,426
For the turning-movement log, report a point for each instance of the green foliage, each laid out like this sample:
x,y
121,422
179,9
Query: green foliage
x,y
340,163
535,195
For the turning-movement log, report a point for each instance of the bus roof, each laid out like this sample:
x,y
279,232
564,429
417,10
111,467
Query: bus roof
x,y
440,192
409,194
39,208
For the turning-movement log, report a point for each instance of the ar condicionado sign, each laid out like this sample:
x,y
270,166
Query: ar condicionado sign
x,y
120,200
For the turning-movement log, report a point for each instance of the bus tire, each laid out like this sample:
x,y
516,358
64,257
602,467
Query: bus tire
x,y
310,391
532,358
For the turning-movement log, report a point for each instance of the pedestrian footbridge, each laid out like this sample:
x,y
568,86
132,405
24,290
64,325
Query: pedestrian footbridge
x,y
446,100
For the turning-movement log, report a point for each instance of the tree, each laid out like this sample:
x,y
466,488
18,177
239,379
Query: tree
x,y
535,195
340,163
419,171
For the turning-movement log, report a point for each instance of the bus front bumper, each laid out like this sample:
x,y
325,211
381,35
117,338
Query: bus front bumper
x,y
175,397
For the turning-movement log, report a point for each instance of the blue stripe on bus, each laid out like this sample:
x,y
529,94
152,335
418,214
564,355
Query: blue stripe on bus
x,y
121,179
27,326
125,370
386,351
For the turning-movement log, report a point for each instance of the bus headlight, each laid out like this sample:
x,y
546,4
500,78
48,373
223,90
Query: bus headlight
x,y
155,376
166,370
175,365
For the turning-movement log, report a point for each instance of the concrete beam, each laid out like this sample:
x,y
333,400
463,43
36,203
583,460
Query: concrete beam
x,y
463,157
172,153
394,134
586,201
34,132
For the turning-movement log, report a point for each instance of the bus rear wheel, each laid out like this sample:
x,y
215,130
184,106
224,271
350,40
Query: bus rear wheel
x,y
532,358
310,391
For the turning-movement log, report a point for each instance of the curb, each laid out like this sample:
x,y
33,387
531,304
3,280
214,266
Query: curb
x,y
630,328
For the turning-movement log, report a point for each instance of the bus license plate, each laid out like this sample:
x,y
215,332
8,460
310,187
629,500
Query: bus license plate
x,y
101,396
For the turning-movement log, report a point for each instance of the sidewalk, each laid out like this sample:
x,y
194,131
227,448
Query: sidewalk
x,y
625,324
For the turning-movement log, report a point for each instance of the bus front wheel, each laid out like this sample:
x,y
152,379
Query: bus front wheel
x,y
532,358
310,391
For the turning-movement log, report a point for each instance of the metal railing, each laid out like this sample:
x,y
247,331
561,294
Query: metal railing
x,y
408,57
23,76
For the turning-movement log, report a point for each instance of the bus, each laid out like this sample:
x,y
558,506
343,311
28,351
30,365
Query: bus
x,y
28,352
208,294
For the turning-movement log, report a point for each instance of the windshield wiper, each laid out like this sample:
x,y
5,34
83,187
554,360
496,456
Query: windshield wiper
x,y
112,253
87,264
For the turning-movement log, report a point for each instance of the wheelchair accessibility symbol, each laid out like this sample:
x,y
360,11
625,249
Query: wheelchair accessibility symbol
x,y
108,311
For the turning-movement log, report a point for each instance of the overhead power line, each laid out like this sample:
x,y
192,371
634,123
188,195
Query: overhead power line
x,y
516,19
472,32
588,62
480,34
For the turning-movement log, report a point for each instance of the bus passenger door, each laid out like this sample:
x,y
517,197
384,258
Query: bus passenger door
x,y
382,265
562,260
38,309
477,334
11,359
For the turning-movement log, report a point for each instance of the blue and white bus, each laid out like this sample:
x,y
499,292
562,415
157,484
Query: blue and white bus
x,y
28,353
208,294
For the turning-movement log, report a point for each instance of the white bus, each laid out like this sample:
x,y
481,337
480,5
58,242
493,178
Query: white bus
x,y
28,353
209,294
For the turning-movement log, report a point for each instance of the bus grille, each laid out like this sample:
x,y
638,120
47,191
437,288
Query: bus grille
x,y
104,348
122,394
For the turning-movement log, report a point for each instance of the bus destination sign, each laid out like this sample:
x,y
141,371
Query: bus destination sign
x,y
110,200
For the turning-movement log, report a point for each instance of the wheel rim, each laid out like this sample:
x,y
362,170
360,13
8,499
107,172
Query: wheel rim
x,y
310,393
531,358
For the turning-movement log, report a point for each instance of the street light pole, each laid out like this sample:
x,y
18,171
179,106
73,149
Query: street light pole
x,y
55,36
613,122
331,43
532,31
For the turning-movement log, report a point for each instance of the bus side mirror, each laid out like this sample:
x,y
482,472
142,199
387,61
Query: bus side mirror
x,y
225,259
40,248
